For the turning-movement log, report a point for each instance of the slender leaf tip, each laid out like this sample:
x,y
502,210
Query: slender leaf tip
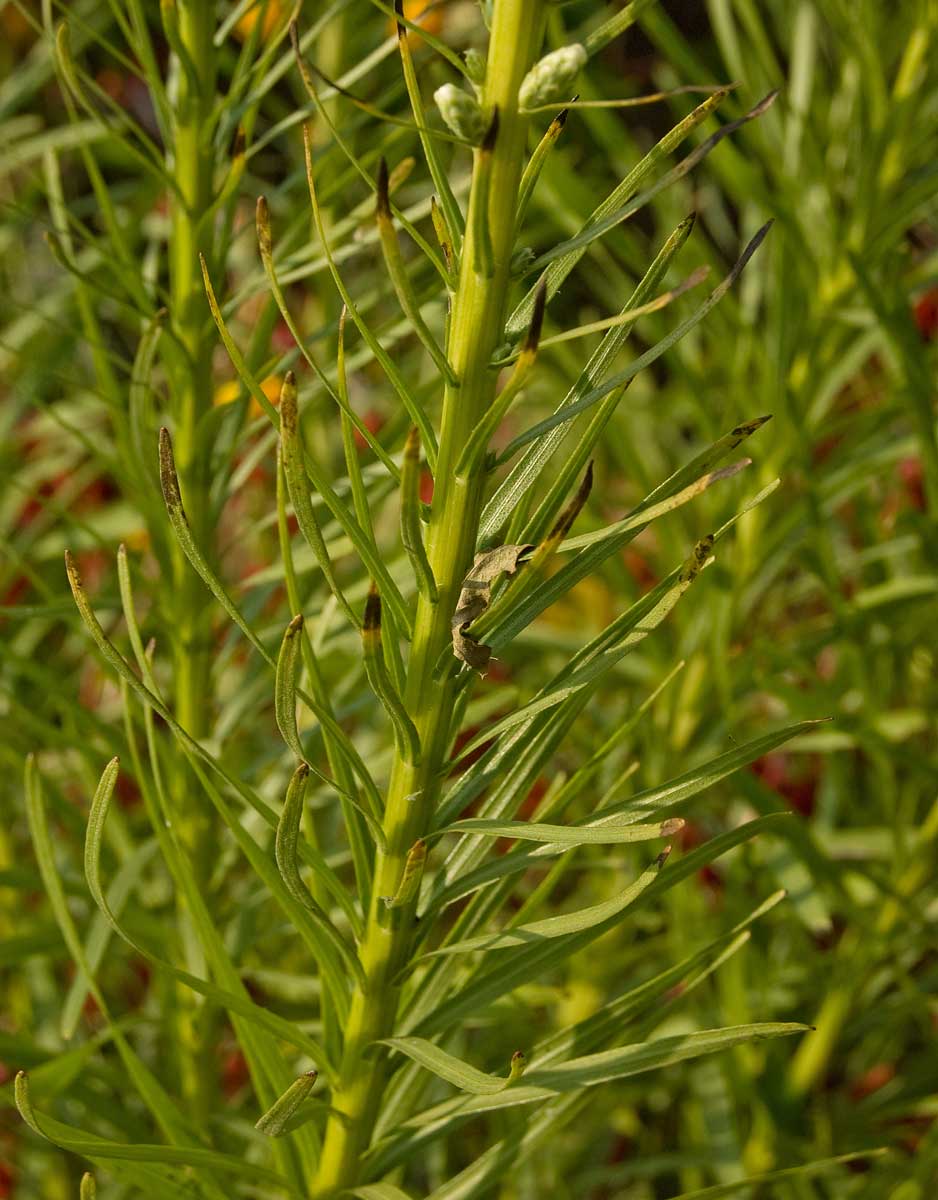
x,y
412,445
572,511
289,415
672,825
383,197
748,428
372,622
262,221
401,27
662,857
169,480
295,625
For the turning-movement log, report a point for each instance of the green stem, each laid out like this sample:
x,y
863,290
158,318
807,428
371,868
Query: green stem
x,y
478,316
192,166
193,169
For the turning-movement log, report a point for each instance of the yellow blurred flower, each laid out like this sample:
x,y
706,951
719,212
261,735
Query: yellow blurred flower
x,y
226,392
415,10
272,15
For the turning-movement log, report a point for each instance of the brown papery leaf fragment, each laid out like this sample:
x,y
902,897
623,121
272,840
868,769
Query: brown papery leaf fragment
x,y
475,596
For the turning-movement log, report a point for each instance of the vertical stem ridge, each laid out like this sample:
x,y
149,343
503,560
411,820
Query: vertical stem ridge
x,y
478,316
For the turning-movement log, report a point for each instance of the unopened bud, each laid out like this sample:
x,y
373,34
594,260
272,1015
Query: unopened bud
x,y
461,112
552,78
475,65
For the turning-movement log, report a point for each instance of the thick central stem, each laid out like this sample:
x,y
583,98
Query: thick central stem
x,y
476,329
193,169
192,165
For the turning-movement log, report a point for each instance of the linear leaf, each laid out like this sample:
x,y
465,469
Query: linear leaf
x,y
624,203
565,835
452,1069
275,1120
525,473
676,791
805,1171
540,1086
625,376
90,1146
528,961
555,927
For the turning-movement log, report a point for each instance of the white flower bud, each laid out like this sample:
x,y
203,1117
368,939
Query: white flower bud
x,y
461,112
552,78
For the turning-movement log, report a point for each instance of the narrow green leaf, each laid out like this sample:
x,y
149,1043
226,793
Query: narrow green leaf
x,y
612,1018
245,374
400,280
615,26
698,779
484,261
511,621
411,532
527,961
285,686
535,164
623,202
169,482
560,926
621,1063
275,1120
285,846
235,1003
566,835
405,732
527,471
265,245
196,749
139,399
466,1077
299,491
410,402
451,210
542,1085
411,877
625,376
605,651
169,1118
90,1146
805,1171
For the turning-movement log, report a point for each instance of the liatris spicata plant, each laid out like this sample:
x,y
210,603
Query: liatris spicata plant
x,y
377,831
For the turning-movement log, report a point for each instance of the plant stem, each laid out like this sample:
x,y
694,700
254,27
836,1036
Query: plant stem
x,y
193,168
478,316
191,373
